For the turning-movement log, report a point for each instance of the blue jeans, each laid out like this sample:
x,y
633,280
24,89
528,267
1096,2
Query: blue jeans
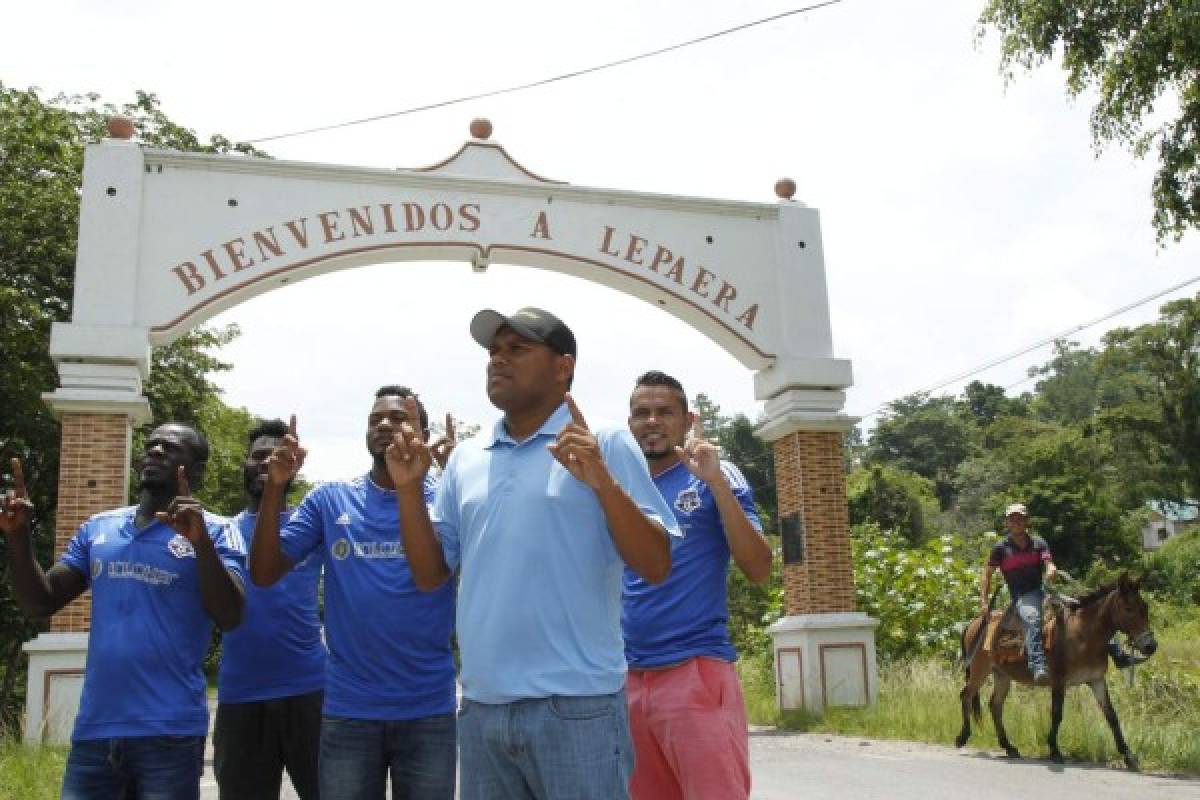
x,y
1029,609
141,767
547,748
358,754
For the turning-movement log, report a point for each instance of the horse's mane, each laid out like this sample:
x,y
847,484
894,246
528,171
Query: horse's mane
x,y
1096,595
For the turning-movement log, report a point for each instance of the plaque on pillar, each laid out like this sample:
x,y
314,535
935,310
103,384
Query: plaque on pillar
x,y
792,531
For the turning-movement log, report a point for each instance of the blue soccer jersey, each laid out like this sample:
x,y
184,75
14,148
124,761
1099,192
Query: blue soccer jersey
x,y
277,650
389,642
149,628
687,615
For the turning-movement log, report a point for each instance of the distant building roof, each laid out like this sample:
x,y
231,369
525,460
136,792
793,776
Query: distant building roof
x,y
1177,512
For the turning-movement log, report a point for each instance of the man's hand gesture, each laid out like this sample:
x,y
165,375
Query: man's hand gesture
x,y
444,446
407,457
285,461
15,509
185,514
576,449
700,456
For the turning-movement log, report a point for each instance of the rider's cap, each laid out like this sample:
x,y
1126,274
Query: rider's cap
x,y
1017,508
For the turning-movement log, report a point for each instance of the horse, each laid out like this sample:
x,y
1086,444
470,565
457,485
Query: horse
x,y
1079,656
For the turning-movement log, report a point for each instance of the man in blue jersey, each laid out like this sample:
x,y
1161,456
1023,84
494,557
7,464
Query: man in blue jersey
x,y
161,573
541,515
686,711
389,689
272,676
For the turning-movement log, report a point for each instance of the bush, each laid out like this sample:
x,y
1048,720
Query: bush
x,y
1174,569
922,596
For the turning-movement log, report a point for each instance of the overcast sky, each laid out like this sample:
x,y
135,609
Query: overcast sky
x,y
961,219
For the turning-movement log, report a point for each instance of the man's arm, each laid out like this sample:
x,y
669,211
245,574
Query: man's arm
x,y
221,592
642,543
39,593
408,459
267,563
750,549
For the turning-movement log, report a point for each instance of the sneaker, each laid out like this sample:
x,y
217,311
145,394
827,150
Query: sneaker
x,y
1041,678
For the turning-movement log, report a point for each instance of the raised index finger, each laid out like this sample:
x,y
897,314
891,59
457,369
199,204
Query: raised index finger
x,y
450,427
18,478
184,489
576,414
698,428
292,428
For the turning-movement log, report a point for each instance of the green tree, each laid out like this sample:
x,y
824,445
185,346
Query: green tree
x,y
1159,422
926,435
894,499
41,163
1143,59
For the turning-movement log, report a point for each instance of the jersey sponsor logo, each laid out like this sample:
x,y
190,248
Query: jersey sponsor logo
x,y
344,519
688,501
141,572
344,548
180,547
99,539
97,568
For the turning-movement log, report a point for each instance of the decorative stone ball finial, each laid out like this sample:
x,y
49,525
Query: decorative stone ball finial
x,y
120,127
785,188
481,127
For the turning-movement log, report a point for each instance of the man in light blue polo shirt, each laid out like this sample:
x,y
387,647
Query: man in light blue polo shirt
x,y
270,685
161,573
541,516
389,689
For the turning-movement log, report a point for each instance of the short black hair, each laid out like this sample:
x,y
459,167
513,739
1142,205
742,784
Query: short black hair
x,y
393,390
656,378
274,428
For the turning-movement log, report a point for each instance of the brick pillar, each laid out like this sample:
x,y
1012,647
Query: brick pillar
x,y
93,477
818,575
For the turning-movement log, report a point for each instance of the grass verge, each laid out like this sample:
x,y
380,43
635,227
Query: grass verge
x,y
30,772
918,701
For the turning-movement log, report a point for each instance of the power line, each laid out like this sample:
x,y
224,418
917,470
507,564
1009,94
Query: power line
x,y
545,81
995,362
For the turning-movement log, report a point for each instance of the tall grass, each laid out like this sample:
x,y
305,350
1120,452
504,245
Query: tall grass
x,y
30,772
918,700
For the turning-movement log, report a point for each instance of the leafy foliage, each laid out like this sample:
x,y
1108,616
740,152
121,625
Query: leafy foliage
x,y
1174,569
1140,56
894,498
41,162
921,595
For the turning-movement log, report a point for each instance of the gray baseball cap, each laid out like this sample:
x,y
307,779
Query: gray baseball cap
x,y
531,323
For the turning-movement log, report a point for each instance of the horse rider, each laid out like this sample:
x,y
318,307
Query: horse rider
x,y
1020,557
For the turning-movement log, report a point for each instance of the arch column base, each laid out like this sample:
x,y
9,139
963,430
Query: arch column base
x,y
56,664
824,660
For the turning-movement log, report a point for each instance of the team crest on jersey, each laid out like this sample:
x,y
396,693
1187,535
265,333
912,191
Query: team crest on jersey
x,y
341,549
688,500
180,547
97,568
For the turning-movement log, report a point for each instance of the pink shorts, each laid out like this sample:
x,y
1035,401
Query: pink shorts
x,y
689,732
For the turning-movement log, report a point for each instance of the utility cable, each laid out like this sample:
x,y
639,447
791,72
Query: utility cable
x,y
995,362
546,81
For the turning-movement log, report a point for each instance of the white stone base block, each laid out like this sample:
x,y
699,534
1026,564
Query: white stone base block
x,y
56,662
825,660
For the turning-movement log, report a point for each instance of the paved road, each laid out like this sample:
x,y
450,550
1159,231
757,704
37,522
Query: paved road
x,y
799,766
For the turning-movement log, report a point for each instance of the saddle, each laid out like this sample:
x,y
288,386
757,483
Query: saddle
x,y
1005,638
